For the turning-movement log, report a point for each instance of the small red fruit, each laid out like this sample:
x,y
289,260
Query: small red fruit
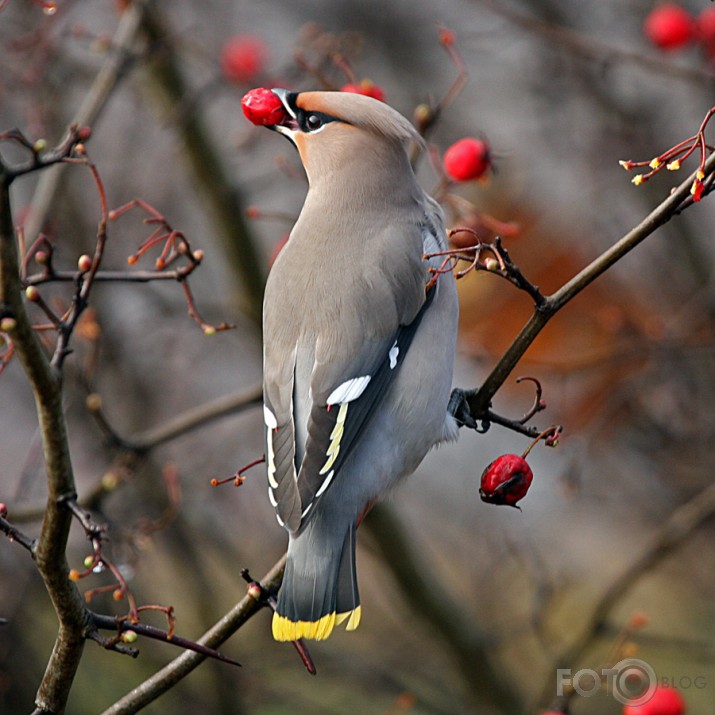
x,y
669,26
705,27
467,159
665,701
506,480
263,107
243,58
366,87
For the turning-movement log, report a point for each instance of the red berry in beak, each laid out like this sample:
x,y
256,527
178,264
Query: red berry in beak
x,y
263,107
506,480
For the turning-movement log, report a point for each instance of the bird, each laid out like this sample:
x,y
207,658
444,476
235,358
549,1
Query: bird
x,y
359,346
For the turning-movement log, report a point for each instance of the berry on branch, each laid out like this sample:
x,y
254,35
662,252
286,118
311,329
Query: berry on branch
x,y
366,87
665,701
506,480
242,58
669,26
467,159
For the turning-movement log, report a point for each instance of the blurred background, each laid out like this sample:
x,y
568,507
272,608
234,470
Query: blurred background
x,y
467,607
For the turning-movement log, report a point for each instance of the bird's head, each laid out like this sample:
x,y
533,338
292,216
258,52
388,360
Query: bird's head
x,y
332,129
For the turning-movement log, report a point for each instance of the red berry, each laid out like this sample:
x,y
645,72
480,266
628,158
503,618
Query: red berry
x,y
705,27
367,88
665,701
467,159
263,107
242,58
506,480
669,26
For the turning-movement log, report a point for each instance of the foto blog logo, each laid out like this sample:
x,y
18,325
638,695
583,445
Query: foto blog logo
x,y
630,681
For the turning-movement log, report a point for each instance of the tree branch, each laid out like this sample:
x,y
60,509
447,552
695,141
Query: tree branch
x,y
479,400
180,667
49,550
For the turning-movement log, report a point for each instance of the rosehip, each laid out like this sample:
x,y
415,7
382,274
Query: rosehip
x,y
366,87
506,480
467,159
665,701
705,27
669,26
263,107
242,58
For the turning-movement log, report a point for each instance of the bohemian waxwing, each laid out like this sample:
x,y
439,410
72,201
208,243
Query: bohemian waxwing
x,y
358,354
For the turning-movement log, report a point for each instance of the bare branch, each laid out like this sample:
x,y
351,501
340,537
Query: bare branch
x,y
180,667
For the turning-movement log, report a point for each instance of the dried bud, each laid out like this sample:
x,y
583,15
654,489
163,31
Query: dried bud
x,y
93,402
84,133
109,481
3,510
7,324
74,575
84,263
254,591
32,294
422,115
446,37
118,594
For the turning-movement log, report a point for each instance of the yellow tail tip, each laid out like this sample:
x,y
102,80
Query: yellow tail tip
x,y
286,630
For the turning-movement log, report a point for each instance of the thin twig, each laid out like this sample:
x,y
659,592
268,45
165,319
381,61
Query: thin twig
x,y
180,667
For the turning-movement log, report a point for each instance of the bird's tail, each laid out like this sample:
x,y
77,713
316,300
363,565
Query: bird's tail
x,y
319,589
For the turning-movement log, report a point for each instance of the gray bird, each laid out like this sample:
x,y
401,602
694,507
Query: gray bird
x,y
358,350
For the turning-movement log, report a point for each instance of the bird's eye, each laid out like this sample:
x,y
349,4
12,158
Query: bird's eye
x,y
313,122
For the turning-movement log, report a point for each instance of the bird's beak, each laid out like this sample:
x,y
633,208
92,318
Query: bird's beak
x,y
288,126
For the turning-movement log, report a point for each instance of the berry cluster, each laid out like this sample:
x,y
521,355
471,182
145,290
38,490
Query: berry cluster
x,y
670,26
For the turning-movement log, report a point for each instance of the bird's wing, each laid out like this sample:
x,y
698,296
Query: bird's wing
x,y
342,407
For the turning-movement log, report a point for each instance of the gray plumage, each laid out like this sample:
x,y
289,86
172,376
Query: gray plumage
x,y
358,358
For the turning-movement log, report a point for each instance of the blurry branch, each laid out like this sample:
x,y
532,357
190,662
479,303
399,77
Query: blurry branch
x,y
136,447
49,549
468,646
675,532
595,49
112,71
211,177
180,667
186,421
479,400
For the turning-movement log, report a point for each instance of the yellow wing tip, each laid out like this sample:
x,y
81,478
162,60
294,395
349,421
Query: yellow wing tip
x,y
286,630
